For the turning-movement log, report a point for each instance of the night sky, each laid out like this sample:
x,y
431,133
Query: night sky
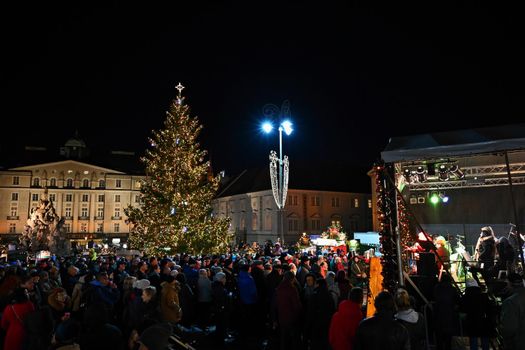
x,y
354,77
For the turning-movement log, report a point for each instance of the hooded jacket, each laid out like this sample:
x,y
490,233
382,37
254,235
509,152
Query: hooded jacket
x,y
414,322
344,325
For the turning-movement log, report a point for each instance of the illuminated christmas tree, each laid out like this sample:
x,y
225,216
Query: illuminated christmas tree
x,y
175,215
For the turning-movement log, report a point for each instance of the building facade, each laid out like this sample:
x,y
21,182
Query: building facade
x,y
254,215
91,198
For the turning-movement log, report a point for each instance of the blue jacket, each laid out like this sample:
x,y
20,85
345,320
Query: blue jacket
x,y
247,289
105,294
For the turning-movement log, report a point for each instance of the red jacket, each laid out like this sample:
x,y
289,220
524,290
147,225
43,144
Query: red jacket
x,y
344,325
288,304
12,319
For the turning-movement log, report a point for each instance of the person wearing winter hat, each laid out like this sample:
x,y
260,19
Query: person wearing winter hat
x,y
142,284
156,337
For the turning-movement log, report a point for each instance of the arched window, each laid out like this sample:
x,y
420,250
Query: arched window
x,y
85,183
36,182
53,182
268,222
69,183
254,222
101,183
243,223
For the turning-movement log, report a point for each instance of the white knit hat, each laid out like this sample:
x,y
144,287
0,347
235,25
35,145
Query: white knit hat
x,y
141,284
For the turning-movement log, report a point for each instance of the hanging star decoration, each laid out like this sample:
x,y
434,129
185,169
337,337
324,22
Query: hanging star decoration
x,y
180,99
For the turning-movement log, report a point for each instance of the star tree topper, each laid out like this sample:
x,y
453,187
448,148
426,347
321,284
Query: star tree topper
x,y
179,87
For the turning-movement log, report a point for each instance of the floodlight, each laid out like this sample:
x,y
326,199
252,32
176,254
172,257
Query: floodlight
x,y
456,171
434,198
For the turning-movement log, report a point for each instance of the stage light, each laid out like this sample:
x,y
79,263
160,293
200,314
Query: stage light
x,y
406,175
434,198
456,171
444,197
443,173
421,174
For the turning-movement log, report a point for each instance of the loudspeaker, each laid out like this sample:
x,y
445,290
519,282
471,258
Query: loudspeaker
x,y
426,265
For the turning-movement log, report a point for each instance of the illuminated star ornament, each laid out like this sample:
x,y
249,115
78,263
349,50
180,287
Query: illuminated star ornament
x,y
180,99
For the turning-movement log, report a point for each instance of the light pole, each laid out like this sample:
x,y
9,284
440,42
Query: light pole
x,y
279,177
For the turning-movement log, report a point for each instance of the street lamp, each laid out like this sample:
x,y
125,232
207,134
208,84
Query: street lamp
x,y
279,178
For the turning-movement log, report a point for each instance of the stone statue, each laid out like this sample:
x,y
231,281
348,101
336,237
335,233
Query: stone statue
x,y
44,230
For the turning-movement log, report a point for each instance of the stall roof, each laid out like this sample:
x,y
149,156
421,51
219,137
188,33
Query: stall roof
x,y
455,143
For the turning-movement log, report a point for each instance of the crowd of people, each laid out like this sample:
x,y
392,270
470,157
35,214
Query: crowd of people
x,y
268,297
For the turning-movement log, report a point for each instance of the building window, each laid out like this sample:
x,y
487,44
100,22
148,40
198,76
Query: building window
x,y
137,198
117,198
53,197
254,222
85,198
116,227
53,182
85,183
14,210
369,203
12,228
316,224
117,212
69,197
316,201
100,227
84,212
83,227
67,227
69,183
268,222
100,198
36,182
292,200
67,212
100,212
243,223
34,197
14,196
293,225
335,202
101,183
16,180
356,203
118,183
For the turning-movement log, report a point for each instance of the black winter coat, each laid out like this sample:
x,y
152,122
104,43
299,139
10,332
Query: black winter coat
x,y
381,332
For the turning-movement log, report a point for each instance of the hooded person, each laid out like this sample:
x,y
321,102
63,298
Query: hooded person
x,y
412,320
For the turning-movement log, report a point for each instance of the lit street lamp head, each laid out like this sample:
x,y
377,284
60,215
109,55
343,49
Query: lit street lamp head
x,y
267,127
287,127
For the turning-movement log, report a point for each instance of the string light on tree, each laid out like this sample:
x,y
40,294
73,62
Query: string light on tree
x,y
175,214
